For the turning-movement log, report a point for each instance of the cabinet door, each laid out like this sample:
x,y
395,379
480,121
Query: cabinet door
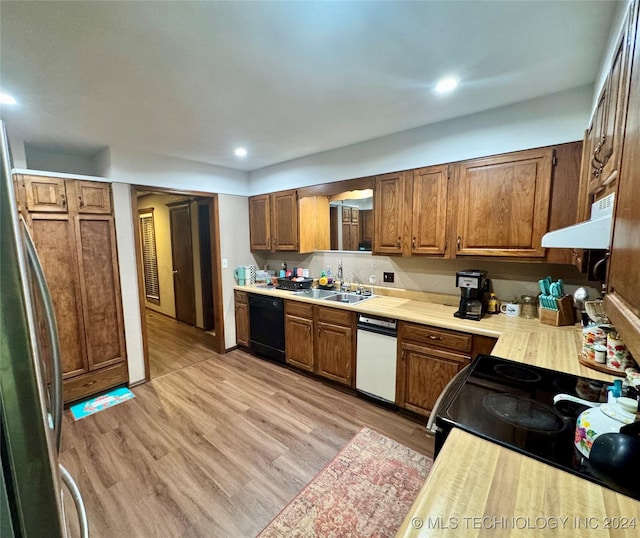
x,y
429,223
93,197
299,342
423,374
622,302
45,194
389,209
334,357
242,318
366,226
100,285
55,238
284,221
503,205
260,222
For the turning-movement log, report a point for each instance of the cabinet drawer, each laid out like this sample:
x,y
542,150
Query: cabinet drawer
x,y
336,316
240,297
436,337
94,382
296,308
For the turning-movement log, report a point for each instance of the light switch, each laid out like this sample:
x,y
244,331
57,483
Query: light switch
x,y
225,263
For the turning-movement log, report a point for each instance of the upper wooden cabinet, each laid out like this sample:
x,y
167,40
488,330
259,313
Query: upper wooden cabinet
x,y
260,222
284,220
273,221
390,208
429,215
503,204
281,221
44,194
622,302
93,197
605,132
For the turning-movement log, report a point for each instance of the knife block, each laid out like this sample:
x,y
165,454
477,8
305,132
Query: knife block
x,y
565,314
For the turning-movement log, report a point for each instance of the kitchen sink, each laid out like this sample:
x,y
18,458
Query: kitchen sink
x,y
347,298
315,293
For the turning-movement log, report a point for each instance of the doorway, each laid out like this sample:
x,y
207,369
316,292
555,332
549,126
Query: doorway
x,y
190,283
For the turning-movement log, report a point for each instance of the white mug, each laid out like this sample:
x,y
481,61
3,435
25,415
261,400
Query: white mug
x,y
510,309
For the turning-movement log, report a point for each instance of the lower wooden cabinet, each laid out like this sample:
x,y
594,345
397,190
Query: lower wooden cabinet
x,y
428,358
336,344
298,330
242,318
321,340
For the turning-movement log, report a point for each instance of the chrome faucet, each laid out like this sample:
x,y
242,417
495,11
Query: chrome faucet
x,y
339,276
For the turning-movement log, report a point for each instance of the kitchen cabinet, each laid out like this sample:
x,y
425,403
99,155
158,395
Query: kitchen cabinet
x,y
428,358
605,131
260,222
366,227
503,204
242,318
335,344
78,255
390,209
44,194
273,221
93,197
284,221
281,222
299,335
350,228
429,215
622,302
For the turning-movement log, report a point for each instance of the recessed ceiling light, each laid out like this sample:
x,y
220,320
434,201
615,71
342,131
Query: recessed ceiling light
x,y
446,84
240,152
6,99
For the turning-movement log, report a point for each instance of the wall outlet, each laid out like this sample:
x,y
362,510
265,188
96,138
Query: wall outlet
x,y
388,277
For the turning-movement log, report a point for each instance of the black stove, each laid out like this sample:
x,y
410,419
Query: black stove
x,y
511,404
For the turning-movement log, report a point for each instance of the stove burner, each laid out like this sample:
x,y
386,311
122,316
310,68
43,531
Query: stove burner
x,y
518,373
523,412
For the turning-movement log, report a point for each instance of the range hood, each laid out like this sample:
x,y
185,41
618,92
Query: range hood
x,y
594,233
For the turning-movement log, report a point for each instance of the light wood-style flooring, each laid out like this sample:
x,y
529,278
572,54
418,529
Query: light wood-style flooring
x,y
163,333
214,449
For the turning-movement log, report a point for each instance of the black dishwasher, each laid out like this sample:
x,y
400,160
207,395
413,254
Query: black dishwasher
x,y
266,326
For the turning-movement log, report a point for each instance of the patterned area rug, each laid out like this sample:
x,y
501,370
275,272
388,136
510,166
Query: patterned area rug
x,y
366,490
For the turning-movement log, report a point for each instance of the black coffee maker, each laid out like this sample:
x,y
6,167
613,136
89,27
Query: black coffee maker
x,y
473,285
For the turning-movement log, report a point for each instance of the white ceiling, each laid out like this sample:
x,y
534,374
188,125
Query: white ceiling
x,y
284,79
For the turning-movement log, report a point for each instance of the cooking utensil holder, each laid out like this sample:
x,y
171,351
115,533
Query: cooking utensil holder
x,y
564,315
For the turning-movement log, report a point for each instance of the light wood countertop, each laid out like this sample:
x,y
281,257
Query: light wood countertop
x,y
478,488
473,478
519,339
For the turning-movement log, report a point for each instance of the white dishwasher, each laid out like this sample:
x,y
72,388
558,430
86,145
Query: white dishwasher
x,y
376,357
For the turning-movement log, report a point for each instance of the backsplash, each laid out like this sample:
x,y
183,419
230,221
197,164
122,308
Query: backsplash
x,y
509,278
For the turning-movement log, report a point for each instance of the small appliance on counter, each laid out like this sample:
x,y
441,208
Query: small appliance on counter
x,y
473,284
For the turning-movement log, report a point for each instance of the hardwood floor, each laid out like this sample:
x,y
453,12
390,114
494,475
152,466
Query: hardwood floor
x,y
163,333
215,449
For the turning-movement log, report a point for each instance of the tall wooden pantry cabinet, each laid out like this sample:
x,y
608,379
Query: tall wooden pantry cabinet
x,y
72,225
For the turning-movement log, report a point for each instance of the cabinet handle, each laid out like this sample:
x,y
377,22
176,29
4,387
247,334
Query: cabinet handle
x,y
402,355
459,241
431,337
80,202
268,242
63,199
413,243
399,243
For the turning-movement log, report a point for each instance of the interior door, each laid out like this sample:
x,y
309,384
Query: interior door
x,y
182,258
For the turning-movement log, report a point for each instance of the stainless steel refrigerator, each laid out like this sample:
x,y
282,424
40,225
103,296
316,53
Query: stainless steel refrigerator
x,y
32,479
